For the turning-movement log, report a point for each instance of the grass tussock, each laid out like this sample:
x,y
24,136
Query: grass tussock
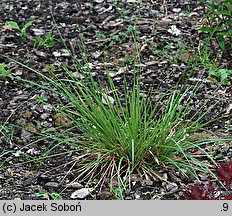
x,y
119,134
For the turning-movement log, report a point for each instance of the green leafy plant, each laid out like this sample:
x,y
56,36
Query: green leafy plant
x,y
47,42
164,53
222,74
42,99
47,195
22,31
4,130
217,23
118,38
100,35
154,31
3,71
203,56
128,59
134,29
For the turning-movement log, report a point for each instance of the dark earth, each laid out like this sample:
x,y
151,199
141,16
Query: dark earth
x,y
104,25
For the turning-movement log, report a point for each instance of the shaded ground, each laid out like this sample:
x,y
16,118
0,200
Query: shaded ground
x,y
105,27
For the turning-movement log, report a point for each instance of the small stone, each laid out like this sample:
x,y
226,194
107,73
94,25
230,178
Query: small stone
x,y
44,116
171,187
47,108
81,193
106,99
41,54
46,124
98,1
61,52
176,10
135,178
38,32
75,185
146,182
156,13
52,185
96,54
78,75
25,136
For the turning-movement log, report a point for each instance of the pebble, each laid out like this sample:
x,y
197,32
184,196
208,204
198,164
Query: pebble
x,y
98,1
171,187
52,185
75,185
47,108
25,136
176,10
81,193
38,32
44,116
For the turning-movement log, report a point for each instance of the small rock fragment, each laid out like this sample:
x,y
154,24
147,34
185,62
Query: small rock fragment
x,y
106,99
75,185
25,136
174,30
176,10
96,54
41,54
98,1
81,193
38,32
61,52
52,185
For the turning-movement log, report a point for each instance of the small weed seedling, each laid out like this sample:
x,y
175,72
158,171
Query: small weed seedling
x,y
128,59
164,53
46,42
42,99
223,74
22,31
3,71
47,195
100,35
118,38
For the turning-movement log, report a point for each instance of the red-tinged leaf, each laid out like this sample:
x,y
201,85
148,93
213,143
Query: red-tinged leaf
x,y
228,197
200,191
224,172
